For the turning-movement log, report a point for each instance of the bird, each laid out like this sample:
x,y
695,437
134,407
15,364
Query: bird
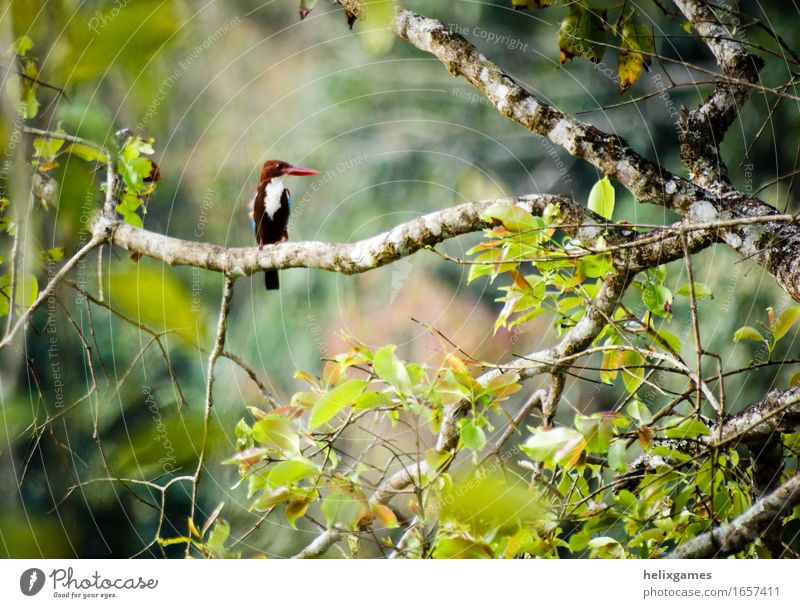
x,y
271,206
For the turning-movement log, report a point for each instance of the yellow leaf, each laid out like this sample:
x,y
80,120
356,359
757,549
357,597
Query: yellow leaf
x,y
635,38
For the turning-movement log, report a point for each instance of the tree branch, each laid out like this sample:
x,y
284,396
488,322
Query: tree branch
x,y
735,536
347,258
216,352
48,291
705,127
646,180
778,412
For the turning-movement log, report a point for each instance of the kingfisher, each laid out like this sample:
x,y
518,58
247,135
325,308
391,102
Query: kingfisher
x,y
270,208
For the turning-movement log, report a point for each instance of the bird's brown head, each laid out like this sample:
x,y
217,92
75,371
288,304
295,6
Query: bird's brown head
x,y
278,168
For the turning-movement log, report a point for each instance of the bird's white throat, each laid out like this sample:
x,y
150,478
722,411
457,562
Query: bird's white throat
x,y
273,195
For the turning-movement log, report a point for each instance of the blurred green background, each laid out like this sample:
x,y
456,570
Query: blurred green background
x,y
223,86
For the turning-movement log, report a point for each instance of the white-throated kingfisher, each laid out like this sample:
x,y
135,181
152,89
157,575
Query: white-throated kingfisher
x,y
271,206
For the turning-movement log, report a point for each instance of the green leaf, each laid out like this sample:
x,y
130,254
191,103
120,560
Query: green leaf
x,y
658,299
747,333
597,431
436,459
785,321
22,45
503,384
610,364
601,198
515,219
373,399
690,428
288,472
278,433
296,509
460,546
581,33
605,547
85,152
270,498
669,339
579,541
472,435
632,372
639,412
335,400
29,104
130,217
47,148
134,171
616,456
219,534
488,498
54,254
701,291
340,509
390,369
597,265
560,445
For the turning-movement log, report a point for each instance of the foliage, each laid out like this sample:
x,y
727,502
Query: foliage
x,y
288,457
635,466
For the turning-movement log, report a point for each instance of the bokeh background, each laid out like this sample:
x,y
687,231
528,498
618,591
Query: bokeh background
x,y
223,86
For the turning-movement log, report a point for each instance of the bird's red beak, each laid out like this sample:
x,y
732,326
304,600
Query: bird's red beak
x,y
300,171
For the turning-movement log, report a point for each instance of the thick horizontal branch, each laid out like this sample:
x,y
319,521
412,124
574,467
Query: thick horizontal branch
x,y
348,258
735,536
657,247
778,412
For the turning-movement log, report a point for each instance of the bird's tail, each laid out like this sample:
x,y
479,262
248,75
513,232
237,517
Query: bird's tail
x,y
271,281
